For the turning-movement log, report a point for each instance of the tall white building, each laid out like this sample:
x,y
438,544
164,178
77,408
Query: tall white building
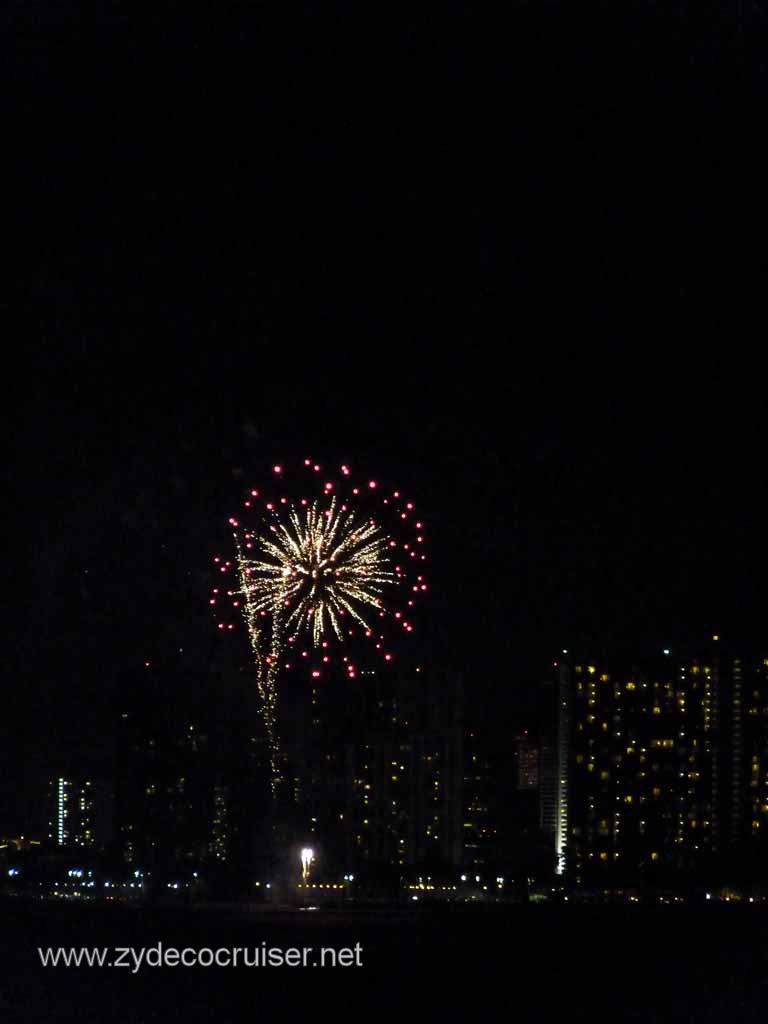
x,y
71,815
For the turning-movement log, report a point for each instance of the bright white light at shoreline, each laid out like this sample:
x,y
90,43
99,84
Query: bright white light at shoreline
x,y
307,857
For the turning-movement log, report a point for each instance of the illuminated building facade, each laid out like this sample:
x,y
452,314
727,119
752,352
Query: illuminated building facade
x,y
481,840
376,770
405,804
526,763
190,779
547,788
666,765
553,767
220,825
749,724
642,786
72,812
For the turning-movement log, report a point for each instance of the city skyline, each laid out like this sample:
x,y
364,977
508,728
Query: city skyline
x,y
643,771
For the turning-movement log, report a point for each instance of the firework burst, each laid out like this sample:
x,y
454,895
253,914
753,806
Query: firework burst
x,y
320,562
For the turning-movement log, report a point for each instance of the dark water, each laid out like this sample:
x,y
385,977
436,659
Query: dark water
x,y
528,963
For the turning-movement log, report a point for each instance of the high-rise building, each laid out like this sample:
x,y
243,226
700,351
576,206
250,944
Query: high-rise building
x,y
526,763
650,763
72,812
744,682
220,825
192,779
481,786
554,766
547,786
376,772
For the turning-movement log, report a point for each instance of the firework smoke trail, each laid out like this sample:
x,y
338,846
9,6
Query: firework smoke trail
x,y
265,664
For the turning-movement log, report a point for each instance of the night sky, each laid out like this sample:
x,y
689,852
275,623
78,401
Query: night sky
x,y
514,264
